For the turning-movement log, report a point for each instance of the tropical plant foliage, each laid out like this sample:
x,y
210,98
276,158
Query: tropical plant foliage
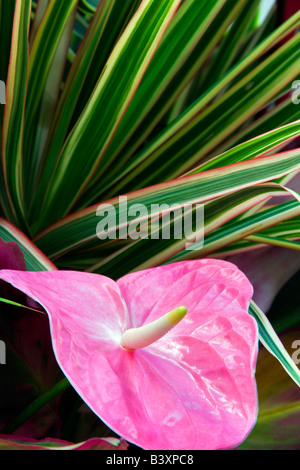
x,y
166,101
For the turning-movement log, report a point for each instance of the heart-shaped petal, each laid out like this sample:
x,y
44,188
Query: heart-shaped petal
x,y
194,388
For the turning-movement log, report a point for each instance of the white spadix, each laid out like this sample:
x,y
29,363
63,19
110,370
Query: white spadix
x,y
136,338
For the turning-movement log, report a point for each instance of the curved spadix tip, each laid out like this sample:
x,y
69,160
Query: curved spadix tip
x,y
176,315
137,338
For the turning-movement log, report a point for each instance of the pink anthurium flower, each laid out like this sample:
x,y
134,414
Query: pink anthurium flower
x,y
165,357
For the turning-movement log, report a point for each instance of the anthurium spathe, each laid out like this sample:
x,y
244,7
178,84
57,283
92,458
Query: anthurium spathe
x,y
191,388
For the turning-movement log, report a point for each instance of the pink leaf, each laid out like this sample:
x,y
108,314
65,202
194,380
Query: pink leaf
x,y
23,443
11,256
33,363
268,269
194,388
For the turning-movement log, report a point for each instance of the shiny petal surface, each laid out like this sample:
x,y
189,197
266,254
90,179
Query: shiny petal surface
x,y
192,389
205,365
87,317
